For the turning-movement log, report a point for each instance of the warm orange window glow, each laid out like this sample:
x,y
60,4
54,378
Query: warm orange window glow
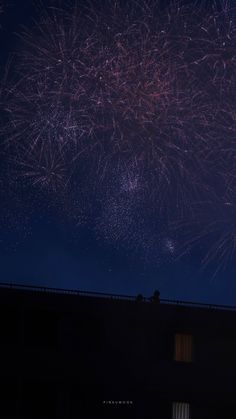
x,y
183,348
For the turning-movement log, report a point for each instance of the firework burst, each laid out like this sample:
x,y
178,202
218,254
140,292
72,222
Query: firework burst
x,y
135,96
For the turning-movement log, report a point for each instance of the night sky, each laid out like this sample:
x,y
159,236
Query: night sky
x,y
118,147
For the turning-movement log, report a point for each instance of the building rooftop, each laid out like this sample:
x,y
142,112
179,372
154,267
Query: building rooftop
x,y
131,298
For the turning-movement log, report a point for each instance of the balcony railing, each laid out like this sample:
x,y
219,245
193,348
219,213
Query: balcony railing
x,y
76,292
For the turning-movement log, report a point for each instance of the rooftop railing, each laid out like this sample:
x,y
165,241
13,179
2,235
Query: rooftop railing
x,y
140,298
52,290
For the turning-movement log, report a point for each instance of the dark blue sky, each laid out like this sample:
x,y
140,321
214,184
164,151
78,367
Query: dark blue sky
x,y
41,244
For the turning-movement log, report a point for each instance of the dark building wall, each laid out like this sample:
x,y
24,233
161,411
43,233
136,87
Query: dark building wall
x,y
68,356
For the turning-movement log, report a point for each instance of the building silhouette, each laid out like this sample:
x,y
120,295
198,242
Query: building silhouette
x,y
69,354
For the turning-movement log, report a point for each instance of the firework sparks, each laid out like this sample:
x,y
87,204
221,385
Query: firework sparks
x,y
137,99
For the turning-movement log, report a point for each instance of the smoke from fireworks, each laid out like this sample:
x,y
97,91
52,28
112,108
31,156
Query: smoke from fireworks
x,y
135,101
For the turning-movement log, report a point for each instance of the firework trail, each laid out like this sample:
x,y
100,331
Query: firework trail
x,y
112,85
212,228
93,90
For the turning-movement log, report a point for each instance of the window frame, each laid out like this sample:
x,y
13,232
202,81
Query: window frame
x,y
179,415
189,359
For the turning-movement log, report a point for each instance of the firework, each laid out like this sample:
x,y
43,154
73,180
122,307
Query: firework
x,y
137,101
113,84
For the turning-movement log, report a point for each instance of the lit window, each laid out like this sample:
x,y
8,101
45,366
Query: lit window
x,y
180,411
183,348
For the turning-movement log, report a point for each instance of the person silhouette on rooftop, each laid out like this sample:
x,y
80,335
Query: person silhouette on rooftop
x,y
155,298
139,298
